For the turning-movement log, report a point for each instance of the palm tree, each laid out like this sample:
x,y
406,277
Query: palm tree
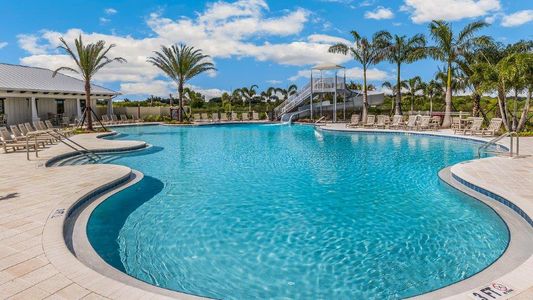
x,y
404,50
248,94
89,59
431,89
414,85
367,53
181,63
286,93
268,94
449,48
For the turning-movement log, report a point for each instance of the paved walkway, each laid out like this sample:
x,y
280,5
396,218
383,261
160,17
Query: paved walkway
x,y
34,261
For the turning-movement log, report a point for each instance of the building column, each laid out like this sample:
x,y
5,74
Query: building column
x,y
34,116
78,108
109,107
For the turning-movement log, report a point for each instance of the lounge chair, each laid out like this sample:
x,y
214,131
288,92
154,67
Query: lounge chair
x,y
382,122
473,128
245,117
9,143
494,127
49,126
255,116
411,122
223,117
425,123
196,117
114,119
456,123
354,121
105,120
41,136
234,116
18,136
205,117
124,119
214,117
370,121
435,122
397,122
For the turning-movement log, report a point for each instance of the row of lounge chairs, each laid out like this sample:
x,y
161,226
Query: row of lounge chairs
x,y
122,119
414,122
27,137
224,117
474,127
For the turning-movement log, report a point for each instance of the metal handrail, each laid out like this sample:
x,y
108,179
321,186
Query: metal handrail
x,y
83,150
509,134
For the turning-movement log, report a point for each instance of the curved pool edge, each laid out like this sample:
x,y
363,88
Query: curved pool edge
x,y
518,279
527,266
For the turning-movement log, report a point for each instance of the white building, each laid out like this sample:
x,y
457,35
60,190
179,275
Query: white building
x,y
28,94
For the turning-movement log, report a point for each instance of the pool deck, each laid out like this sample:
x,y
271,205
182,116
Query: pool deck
x,y
35,262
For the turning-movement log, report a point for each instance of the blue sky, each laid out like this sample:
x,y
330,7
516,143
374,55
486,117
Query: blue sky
x,y
268,43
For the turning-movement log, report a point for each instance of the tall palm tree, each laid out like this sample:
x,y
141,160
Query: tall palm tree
x,y
286,93
248,94
367,53
181,63
414,85
450,47
404,50
89,59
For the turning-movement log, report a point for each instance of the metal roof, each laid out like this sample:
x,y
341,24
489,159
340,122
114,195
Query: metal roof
x,y
327,66
23,78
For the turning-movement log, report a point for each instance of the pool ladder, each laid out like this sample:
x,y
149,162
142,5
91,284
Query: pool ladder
x,y
513,150
82,150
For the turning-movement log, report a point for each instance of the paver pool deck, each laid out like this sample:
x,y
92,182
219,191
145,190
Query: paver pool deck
x,y
35,262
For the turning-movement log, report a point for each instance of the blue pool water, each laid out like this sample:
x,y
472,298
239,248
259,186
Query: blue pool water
x,y
267,211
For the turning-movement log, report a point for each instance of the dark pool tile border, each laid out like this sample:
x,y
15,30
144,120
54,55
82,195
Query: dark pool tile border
x,y
496,197
400,132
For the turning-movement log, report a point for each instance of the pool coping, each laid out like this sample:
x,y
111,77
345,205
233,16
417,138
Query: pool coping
x,y
111,191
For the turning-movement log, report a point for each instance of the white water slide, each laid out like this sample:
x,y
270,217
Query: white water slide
x,y
300,103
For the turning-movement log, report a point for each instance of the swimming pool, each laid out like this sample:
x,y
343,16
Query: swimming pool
x,y
268,211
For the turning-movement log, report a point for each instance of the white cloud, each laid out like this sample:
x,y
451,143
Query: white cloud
x,y
327,39
223,30
110,11
274,82
379,13
354,73
518,18
3,44
104,20
450,10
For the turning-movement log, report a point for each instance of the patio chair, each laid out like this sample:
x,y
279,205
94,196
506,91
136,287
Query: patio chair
x,y
411,122
223,117
475,126
397,122
105,120
50,126
234,116
494,127
424,123
9,143
114,119
255,116
370,121
205,117
124,119
214,117
245,117
435,122
354,121
18,136
196,117
382,122
42,136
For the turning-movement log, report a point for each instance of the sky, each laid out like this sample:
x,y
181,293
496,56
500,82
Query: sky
x,y
262,42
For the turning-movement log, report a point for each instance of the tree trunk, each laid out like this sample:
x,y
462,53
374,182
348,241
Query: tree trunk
x,y
365,97
502,103
412,103
398,106
525,110
180,110
447,122
476,107
88,109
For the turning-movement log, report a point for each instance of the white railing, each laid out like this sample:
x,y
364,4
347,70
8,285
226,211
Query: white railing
x,y
320,85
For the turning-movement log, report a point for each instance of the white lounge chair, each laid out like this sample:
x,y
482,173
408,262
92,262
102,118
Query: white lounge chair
x,y
370,121
214,117
255,116
397,122
234,116
473,128
245,116
354,121
382,121
411,122
223,117
494,127
19,137
9,143
425,123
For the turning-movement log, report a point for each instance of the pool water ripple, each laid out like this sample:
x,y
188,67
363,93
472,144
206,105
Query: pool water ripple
x,y
252,211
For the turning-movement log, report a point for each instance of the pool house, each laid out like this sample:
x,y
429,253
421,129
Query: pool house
x,y
29,94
